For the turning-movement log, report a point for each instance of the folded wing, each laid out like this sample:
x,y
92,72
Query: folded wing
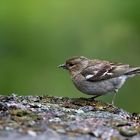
x,y
103,70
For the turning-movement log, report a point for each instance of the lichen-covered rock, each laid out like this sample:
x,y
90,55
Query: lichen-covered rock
x,y
57,118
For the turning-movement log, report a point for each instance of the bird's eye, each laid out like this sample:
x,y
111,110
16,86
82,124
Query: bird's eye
x,y
70,65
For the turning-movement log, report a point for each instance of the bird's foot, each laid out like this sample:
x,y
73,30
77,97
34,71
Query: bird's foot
x,y
93,98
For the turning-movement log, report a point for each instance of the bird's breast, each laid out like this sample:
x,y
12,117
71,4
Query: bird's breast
x,y
98,87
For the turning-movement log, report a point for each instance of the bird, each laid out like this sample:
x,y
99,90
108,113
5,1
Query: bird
x,y
98,77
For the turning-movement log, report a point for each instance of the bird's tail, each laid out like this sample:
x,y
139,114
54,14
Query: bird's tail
x,y
133,71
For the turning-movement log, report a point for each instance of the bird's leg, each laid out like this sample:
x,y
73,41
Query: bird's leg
x,y
114,96
95,97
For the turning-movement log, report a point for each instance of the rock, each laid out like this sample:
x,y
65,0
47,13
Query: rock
x,y
58,118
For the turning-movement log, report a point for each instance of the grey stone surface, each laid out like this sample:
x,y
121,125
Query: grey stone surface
x,y
57,118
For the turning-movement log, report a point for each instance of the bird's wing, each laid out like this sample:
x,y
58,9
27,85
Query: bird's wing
x,y
103,70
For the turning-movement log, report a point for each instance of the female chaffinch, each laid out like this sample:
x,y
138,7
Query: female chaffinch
x,y
98,77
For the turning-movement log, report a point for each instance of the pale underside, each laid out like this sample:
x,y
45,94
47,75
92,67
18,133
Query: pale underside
x,y
98,87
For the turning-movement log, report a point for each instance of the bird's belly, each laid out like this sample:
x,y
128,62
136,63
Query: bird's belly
x,y
100,87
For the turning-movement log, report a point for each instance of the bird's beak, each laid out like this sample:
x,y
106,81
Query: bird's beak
x,y
62,66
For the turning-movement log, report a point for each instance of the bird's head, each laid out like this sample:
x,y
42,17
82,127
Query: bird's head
x,y
75,64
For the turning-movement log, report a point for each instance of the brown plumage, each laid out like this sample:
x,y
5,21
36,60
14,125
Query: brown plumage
x,y
98,77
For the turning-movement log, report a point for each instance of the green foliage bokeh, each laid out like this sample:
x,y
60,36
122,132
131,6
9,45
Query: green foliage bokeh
x,y
36,36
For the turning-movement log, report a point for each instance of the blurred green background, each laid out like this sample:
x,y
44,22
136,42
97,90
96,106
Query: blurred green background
x,y
36,36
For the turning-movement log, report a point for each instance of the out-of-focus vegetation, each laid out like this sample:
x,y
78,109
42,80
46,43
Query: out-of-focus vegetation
x,y
36,36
